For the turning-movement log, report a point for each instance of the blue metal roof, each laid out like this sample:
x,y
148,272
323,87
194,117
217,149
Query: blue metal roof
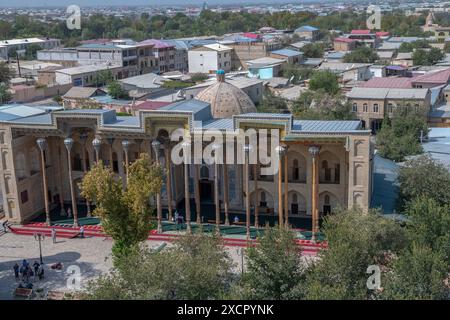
x,y
326,126
287,52
201,109
306,28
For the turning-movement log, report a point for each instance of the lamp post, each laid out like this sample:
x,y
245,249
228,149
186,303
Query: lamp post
x,y
126,147
39,237
97,143
156,145
216,147
42,144
68,142
247,150
186,150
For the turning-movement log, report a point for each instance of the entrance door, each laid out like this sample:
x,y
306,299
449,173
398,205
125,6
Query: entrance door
x,y
206,191
326,209
294,208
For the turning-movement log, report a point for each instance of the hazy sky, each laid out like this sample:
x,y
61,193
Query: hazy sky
x,y
91,3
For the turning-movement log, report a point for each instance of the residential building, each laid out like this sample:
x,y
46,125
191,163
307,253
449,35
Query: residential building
x,y
210,58
348,71
308,33
21,45
87,75
291,56
344,44
265,68
372,105
164,54
442,33
250,50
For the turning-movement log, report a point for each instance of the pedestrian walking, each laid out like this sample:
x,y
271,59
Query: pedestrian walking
x,y
82,232
54,235
16,271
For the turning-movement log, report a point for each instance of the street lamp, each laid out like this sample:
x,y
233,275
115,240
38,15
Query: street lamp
x,y
247,149
42,144
97,143
68,142
39,237
156,145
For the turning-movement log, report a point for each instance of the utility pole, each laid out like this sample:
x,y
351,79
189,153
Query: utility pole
x,y
39,237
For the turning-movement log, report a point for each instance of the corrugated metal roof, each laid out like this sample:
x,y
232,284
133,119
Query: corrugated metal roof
x,y
324,126
287,52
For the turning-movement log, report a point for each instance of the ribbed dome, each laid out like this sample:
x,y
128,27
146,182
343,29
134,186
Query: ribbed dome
x,y
226,100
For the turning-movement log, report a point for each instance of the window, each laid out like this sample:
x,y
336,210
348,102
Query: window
x,y
390,107
365,107
355,107
24,196
296,172
375,107
263,202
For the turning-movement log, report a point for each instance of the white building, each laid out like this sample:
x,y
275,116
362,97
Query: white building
x,y
209,58
85,76
20,45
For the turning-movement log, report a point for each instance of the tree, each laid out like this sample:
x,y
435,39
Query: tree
x,y
326,80
6,73
274,268
199,77
399,135
361,55
355,241
125,214
427,58
115,90
423,176
447,47
196,268
297,73
272,103
429,224
318,105
5,94
313,50
104,77
417,274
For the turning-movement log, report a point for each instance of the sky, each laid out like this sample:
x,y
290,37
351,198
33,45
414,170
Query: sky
x,y
60,3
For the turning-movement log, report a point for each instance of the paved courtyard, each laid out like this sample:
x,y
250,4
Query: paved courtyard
x,y
91,255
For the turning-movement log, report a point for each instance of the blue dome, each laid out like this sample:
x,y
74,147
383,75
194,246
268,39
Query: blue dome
x,y
220,71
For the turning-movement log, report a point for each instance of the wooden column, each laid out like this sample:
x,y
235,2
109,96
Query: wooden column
x,y
168,180
69,143
186,149
83,159
247,150
42,144
286,190
61,178
197,194
156,145
225,193
314,151
111,160
255,180
280,150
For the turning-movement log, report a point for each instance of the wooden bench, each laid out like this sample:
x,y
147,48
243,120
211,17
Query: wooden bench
x,y
23,293
55,295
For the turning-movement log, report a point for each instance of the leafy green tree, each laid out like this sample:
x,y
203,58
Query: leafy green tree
x,y
417,274
427,58
423,176
318,105
196,268
272,103
299,73
313,50
274,268
355,241
325,80
411,46
429,223
399,136
6,73
5,94
361,55
125,214
199,77
104,77
116,91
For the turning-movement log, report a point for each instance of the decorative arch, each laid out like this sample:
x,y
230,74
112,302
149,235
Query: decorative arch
x,y
328,202
296,203
358,174
297,167
266,200
329,168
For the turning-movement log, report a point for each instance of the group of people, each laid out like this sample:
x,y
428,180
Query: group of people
x,y
27,271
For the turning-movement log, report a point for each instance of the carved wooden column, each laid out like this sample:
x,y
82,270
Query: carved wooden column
x,y
225,187
42,144
168,179
314,151
126,147
111,160
156,145
83,139
255,180
197,194
286,188
186,151
280,150
69,143
247,150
